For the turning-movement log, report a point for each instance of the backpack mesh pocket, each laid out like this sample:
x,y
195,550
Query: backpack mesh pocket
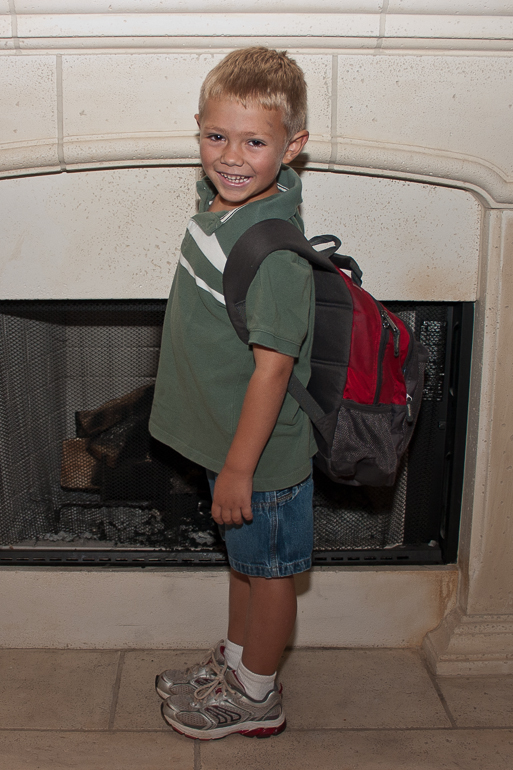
x,y
360,426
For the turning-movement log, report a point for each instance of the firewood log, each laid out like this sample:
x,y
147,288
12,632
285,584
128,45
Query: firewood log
x,y
109,444
92,422
79,470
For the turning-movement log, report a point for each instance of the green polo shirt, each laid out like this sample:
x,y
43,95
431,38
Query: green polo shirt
x,y
204,368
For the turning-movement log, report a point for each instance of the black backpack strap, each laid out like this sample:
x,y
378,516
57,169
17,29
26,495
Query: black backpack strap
x,y
254,245
246,256
307,402
348,263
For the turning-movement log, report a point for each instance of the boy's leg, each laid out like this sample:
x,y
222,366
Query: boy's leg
x,y
239,604
263,610
268,606
271,617
261,619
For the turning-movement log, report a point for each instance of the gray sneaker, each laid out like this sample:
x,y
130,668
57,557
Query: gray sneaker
x,y
222,708
174,682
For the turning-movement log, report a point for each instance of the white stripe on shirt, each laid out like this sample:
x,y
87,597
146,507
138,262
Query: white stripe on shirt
x,y
232,212
209,245
200,282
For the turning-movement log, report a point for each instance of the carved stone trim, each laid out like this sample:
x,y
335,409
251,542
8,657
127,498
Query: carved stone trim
x,y
471,645
426,30
392,161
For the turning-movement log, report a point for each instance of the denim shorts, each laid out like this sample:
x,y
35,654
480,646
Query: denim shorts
x,y
279,540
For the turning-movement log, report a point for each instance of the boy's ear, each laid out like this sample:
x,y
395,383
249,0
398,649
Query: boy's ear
x,y
295,146
196,117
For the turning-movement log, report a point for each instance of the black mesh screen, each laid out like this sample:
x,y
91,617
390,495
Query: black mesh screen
x,y
78,468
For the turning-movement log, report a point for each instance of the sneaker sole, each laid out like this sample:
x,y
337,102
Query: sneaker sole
x,y
249,730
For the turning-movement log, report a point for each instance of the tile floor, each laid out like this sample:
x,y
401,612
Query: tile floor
x,y
347,710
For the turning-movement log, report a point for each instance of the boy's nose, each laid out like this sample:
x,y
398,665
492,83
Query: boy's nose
x,y
231,156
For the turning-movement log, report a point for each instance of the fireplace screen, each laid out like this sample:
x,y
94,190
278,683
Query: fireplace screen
x,y
82,482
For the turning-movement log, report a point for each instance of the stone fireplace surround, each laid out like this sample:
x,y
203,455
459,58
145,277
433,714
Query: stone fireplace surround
x,y
410,109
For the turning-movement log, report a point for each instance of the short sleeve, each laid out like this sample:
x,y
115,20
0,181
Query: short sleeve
x,y
278,303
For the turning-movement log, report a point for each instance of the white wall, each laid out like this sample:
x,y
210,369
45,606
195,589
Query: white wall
x,y
154,608
117,233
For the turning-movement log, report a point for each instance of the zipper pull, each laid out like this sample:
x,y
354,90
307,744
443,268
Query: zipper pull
x,y
387,322
409,413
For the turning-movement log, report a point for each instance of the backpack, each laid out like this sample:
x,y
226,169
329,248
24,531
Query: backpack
x,y
365,389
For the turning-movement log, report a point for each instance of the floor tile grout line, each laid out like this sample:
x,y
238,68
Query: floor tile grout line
x,y
90,650
81,730
342,730
115,689
193,650
438,689
446,728
197,755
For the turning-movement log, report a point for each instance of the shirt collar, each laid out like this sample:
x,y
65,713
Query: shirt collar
x,y
283,205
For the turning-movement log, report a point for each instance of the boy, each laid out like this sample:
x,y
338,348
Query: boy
x,y
225,405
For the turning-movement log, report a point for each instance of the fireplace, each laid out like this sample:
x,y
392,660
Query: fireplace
x,y
410,160
82,482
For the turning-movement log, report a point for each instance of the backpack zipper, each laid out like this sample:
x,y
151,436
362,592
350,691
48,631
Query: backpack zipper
x,y
387,324
381,354
409,413
387,321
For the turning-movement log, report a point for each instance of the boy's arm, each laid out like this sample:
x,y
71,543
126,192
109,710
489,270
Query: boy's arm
x,y
262,404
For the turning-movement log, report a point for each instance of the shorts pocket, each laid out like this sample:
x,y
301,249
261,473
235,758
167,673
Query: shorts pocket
x,y
285,495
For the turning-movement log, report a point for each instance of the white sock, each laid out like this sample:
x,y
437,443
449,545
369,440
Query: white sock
x,y
256,685
232,653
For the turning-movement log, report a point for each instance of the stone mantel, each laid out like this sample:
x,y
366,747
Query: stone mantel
x,y
372,24
409,89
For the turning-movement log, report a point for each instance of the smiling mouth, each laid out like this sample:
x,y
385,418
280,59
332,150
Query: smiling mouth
x,y
234,178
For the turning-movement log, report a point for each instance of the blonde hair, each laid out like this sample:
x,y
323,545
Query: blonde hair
x,y
264,76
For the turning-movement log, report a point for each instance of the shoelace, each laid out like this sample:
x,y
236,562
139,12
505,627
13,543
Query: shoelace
x,y
210,657
218,683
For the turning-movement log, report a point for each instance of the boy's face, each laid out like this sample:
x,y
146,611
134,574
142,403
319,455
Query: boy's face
x,y
242,149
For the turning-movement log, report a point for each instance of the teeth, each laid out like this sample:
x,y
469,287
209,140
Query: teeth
x,y
231,178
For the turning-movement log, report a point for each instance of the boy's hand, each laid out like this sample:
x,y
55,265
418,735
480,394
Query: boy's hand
x,y
232,497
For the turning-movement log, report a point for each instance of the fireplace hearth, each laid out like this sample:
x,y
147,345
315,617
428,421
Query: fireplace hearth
x,y
82,482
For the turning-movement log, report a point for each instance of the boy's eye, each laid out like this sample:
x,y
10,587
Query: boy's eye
x,y
256,143
215,137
